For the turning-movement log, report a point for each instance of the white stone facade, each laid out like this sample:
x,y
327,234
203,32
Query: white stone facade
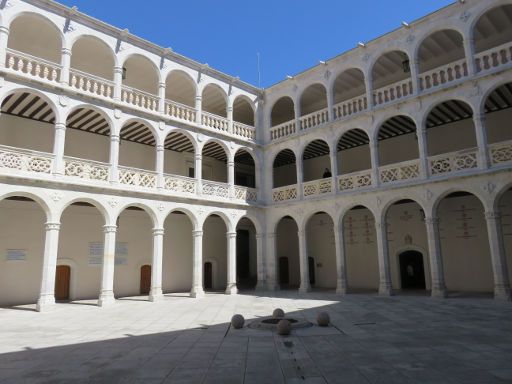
x,y
108,133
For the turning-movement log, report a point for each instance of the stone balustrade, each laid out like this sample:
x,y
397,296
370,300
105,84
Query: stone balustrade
x,y
86,169
215,189
350,107
314,119
355,180
405,170
282,130
243,130
24,160
453,162
180,111
137,177
494,57
218,123
393,92
245,193
501,153
316,187
34,67
443,74
288,192
180,184
139,98
90,84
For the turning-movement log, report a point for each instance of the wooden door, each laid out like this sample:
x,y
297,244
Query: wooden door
x,y
284,274
145,279
62,279
208,275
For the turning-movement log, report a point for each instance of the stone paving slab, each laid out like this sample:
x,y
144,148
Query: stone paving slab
x,y
372,339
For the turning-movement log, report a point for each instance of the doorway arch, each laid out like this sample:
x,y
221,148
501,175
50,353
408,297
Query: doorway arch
x,y
412,269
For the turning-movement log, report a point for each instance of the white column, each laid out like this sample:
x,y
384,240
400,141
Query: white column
x,y
481,139
469,52
161,97
198,167
296,103
199,108
415,77
58,148
159,166
498,256
421,133
197,267
231,288
271,264
51,246
374,155
107,271
114,158
334,169
330,104
4,37
231,178
438,287
229,111
341,260
155,293
65,62
299,161
369,90
260,264
118,82
385,288
303,261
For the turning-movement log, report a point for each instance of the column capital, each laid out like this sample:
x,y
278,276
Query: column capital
x,y
160,148
118,70
432,220
115,138
161,84
61,126
381,224
198,156
52,226
231,235
231,163
229,108
4,30
301,232
492,215
199,97
109,228
197,233
271,235
66,51
158,231
479,116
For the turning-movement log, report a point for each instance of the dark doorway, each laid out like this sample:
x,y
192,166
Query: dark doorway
x,y
145,279
411,270
62,279
243,267
208,275
311,267
284,273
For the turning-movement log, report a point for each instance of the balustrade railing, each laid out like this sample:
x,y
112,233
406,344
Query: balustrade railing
x,y
86,169
393,92
137,177
285,193
180,111
494,57
453,162
180,184
314,119
244,130
317,187
443,75
91,84
245,193
25,160
216,122
355,180
139,98
501,152
405,170
32,66
350,107
216,189
282,130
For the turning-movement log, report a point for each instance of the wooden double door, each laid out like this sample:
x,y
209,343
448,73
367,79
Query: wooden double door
x,y
62,282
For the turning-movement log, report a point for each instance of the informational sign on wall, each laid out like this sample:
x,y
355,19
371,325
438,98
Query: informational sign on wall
x,y
96,253
16,254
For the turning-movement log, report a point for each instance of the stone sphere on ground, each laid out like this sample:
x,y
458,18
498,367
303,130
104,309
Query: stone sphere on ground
x,y
284,327
278,312
323,319
237,321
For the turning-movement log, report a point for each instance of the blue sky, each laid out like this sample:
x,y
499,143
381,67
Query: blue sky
x,y
290,35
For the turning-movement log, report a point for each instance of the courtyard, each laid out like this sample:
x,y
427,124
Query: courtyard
x,y
372,339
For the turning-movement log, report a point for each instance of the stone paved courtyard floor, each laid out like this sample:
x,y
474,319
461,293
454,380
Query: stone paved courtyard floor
x,y
400,339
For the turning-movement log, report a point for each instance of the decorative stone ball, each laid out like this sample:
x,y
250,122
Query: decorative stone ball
x,y
323,319
237,321
278,312
284,327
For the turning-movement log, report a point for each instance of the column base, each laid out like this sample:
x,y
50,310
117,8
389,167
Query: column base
x,y
197,292
272,286
438,293
156,295
502,293
106,299
231,289
45,303
261,286
341,288
305,288
385,290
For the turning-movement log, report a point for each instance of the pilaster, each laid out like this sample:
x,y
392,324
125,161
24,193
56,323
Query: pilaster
x,y
231,288
155,293
107,271
197,267
51,245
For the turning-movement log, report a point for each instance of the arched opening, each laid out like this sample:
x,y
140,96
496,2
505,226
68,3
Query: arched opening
x,y
493,29
287,253
140,74
214,253
313,99
246,259
137,146
464,244
100,64
22,236
361,249
497,115
354,160
180,88
214,100
179,155
321,251
441,58
27,121
451,138
243,111
407,245
398,144
505,209
349,93
88,138
177,253
39,37
81,246
134,249
214,162
282,111
284,169
389,75
245,172
316,161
